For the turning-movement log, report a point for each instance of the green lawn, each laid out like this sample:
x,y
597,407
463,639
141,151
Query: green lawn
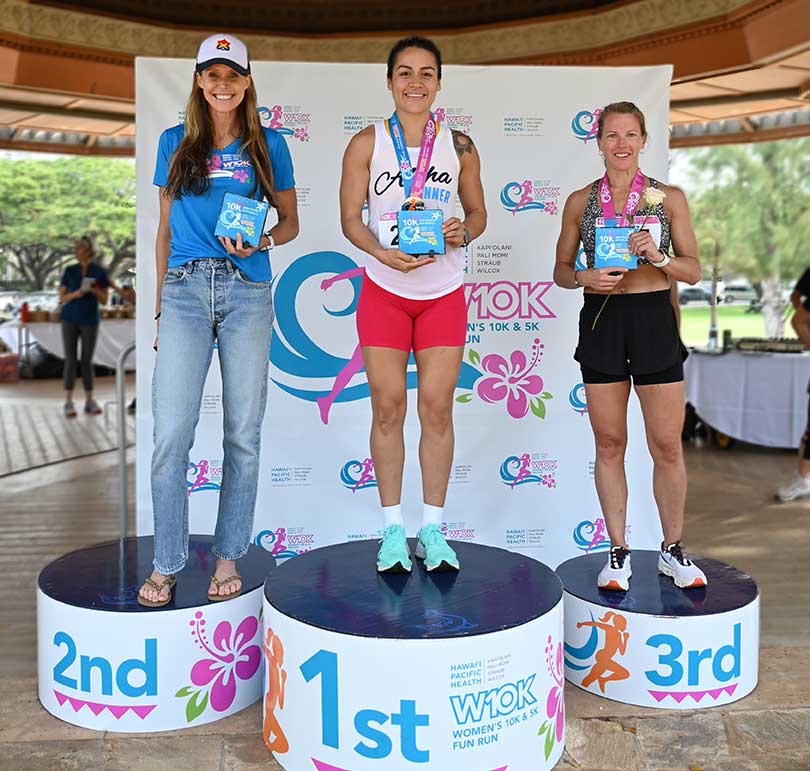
x,y
695,323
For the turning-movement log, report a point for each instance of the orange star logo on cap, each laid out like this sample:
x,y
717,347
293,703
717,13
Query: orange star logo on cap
x,y
224,45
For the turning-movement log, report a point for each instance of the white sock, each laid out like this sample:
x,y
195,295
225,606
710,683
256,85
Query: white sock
x,y
393,515
432,515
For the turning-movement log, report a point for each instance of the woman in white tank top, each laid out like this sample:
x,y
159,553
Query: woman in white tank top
x,y
412,302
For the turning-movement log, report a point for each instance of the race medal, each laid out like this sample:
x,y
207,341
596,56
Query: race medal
x,y
611,240
413,203
419,229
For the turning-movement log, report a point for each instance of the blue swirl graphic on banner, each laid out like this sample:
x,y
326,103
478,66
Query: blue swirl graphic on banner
x,y
364,480
584,124
293,352
577,400
512,205
522,476
584,653
591,536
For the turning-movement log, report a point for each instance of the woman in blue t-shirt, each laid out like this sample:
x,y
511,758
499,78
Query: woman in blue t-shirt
x,y
211,290
84,285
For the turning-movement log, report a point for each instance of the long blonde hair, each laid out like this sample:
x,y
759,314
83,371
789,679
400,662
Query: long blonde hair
x,y
188,172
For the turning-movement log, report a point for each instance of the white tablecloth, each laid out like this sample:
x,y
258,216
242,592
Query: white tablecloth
x,y
113,336
756,397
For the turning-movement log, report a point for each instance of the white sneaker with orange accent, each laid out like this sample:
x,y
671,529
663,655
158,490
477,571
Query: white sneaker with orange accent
x,y
616,574
674,562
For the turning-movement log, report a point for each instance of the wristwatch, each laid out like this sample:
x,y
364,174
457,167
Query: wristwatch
x,y
467,238
272,242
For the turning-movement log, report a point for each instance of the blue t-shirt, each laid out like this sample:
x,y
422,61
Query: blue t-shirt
x,y
193,218
83,310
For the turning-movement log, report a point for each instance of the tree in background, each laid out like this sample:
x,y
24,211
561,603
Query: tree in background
x,y
751,213
46,204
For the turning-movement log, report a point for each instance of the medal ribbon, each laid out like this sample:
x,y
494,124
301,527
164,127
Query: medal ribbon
x,y
630,207
413,180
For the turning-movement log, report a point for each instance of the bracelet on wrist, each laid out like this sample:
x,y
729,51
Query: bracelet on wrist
x,y
157,315
665,259
271,242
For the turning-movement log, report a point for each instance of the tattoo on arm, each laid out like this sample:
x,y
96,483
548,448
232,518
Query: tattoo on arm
x,y
462,143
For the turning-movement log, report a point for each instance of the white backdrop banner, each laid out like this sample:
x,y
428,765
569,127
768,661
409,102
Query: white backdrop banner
x,y
522,477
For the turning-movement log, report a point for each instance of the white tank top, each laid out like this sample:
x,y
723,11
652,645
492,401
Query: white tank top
x,y
385,197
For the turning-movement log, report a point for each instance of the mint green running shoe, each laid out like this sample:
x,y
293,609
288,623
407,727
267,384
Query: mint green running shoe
x,y
394,555
432,547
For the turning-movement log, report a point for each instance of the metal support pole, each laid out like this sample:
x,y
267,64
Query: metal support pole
x,y
121,407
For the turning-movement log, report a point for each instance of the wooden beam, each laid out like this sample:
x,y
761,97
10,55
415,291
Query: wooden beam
x,y
741,137
67,149
49,109
721,100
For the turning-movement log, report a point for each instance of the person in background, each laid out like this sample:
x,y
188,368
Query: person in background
x,y
84,285
799,486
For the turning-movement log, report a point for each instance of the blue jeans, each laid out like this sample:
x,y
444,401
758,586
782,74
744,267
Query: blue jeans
x,y
203,301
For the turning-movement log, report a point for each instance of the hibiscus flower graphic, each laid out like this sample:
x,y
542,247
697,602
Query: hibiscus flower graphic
x,y
231,656
554,727
511,381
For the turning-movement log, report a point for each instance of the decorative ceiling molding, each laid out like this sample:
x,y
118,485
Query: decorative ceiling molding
x,y
513,41
330,17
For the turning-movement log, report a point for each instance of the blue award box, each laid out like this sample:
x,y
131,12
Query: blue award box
x,y
241,215
420,232
612,248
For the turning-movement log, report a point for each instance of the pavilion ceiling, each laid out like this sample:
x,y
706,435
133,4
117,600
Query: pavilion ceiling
x,y
741,67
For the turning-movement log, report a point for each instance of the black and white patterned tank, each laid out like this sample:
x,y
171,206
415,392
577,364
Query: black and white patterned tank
x,y
593,210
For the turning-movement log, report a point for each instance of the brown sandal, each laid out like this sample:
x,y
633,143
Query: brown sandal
x,y
222,582
168,581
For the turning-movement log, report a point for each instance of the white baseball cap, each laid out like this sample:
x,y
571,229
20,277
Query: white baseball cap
x,y
223,49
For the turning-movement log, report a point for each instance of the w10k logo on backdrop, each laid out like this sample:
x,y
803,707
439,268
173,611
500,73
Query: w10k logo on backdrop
x,y
302,367
591,535
204,475
289,121
285,542
358,475
585,124
531,195
529,468
456,118
458,531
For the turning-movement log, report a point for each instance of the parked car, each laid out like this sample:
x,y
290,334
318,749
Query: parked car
x,y
693,294
740,291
